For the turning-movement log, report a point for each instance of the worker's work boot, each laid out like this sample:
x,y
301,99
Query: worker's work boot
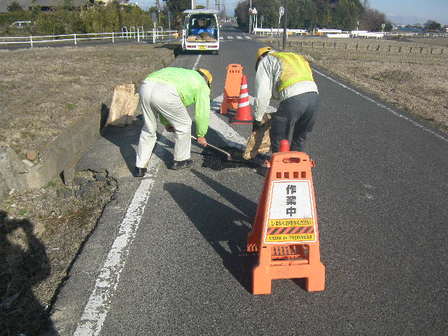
x,y
139,172
177,165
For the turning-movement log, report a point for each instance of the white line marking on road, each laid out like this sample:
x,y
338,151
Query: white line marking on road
x,y
197,62
247,37
231,137
395,113
98,305
239,37
230,37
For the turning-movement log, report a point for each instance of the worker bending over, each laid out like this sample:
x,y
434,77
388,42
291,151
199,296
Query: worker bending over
x,y
288,77
166,93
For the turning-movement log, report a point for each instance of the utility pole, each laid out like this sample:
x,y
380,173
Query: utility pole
x,y
285,23
169,19
158,11
192,4
208,4
250,16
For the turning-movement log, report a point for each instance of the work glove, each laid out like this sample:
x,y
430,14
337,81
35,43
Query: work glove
x,y
257,125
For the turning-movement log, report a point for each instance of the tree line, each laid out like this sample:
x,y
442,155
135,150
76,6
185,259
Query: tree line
x,y
66,19
95,17
310,14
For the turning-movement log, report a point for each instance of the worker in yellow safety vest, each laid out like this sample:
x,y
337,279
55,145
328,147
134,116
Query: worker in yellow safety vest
x,y
288,77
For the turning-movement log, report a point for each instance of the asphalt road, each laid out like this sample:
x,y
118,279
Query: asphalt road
x,y
382,190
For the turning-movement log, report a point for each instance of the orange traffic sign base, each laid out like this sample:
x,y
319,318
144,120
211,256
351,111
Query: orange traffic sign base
x,y
232,88
285,232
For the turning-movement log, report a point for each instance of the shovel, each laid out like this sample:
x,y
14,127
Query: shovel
x,y
227,155
226,160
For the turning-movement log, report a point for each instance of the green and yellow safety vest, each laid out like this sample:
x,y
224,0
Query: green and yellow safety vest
x,y
294,69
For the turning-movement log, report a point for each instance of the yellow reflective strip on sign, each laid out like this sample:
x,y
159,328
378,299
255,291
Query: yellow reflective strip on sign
x,y
291,238
297,222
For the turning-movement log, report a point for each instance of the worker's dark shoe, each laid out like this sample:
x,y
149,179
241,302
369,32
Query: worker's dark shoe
x,y
139,172
177,165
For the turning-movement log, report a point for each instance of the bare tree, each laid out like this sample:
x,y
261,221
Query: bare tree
x,y
372,19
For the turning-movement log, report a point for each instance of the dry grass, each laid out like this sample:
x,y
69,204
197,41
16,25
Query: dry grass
x,y
416,82
440,41
42,91
45,90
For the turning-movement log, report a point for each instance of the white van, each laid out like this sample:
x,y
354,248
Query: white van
x,y
201,30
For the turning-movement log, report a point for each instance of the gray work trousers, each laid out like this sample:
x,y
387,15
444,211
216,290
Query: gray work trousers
x,y
293,120
160,98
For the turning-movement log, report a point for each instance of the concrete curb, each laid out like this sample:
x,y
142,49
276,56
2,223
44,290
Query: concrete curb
x,y
58,158
11,171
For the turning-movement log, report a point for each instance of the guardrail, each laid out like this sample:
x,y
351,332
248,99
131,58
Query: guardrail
x,y
384,47
153,36
334,33
276,31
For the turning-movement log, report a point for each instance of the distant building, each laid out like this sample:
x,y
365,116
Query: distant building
x,y
410,29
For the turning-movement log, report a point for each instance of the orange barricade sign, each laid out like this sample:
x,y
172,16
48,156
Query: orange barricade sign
x,y
285,232
232,88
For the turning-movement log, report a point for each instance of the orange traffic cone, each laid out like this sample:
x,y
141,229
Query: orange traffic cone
x,y
243,114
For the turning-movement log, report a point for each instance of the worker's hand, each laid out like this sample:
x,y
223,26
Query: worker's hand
x,y
257,125
170,129
202,141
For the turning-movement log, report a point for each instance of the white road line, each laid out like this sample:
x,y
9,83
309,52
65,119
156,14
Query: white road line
x,y
231,137
100,300
98,306
247,37
395,113
230,37
197,62
239,37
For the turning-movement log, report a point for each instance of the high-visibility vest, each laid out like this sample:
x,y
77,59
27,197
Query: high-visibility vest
x,y
294,69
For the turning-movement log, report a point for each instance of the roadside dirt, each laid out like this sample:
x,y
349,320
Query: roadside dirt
x,y
40,234
415,82
42,92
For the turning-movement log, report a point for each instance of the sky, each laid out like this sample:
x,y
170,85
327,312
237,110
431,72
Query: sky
x,y
398,11
417,11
